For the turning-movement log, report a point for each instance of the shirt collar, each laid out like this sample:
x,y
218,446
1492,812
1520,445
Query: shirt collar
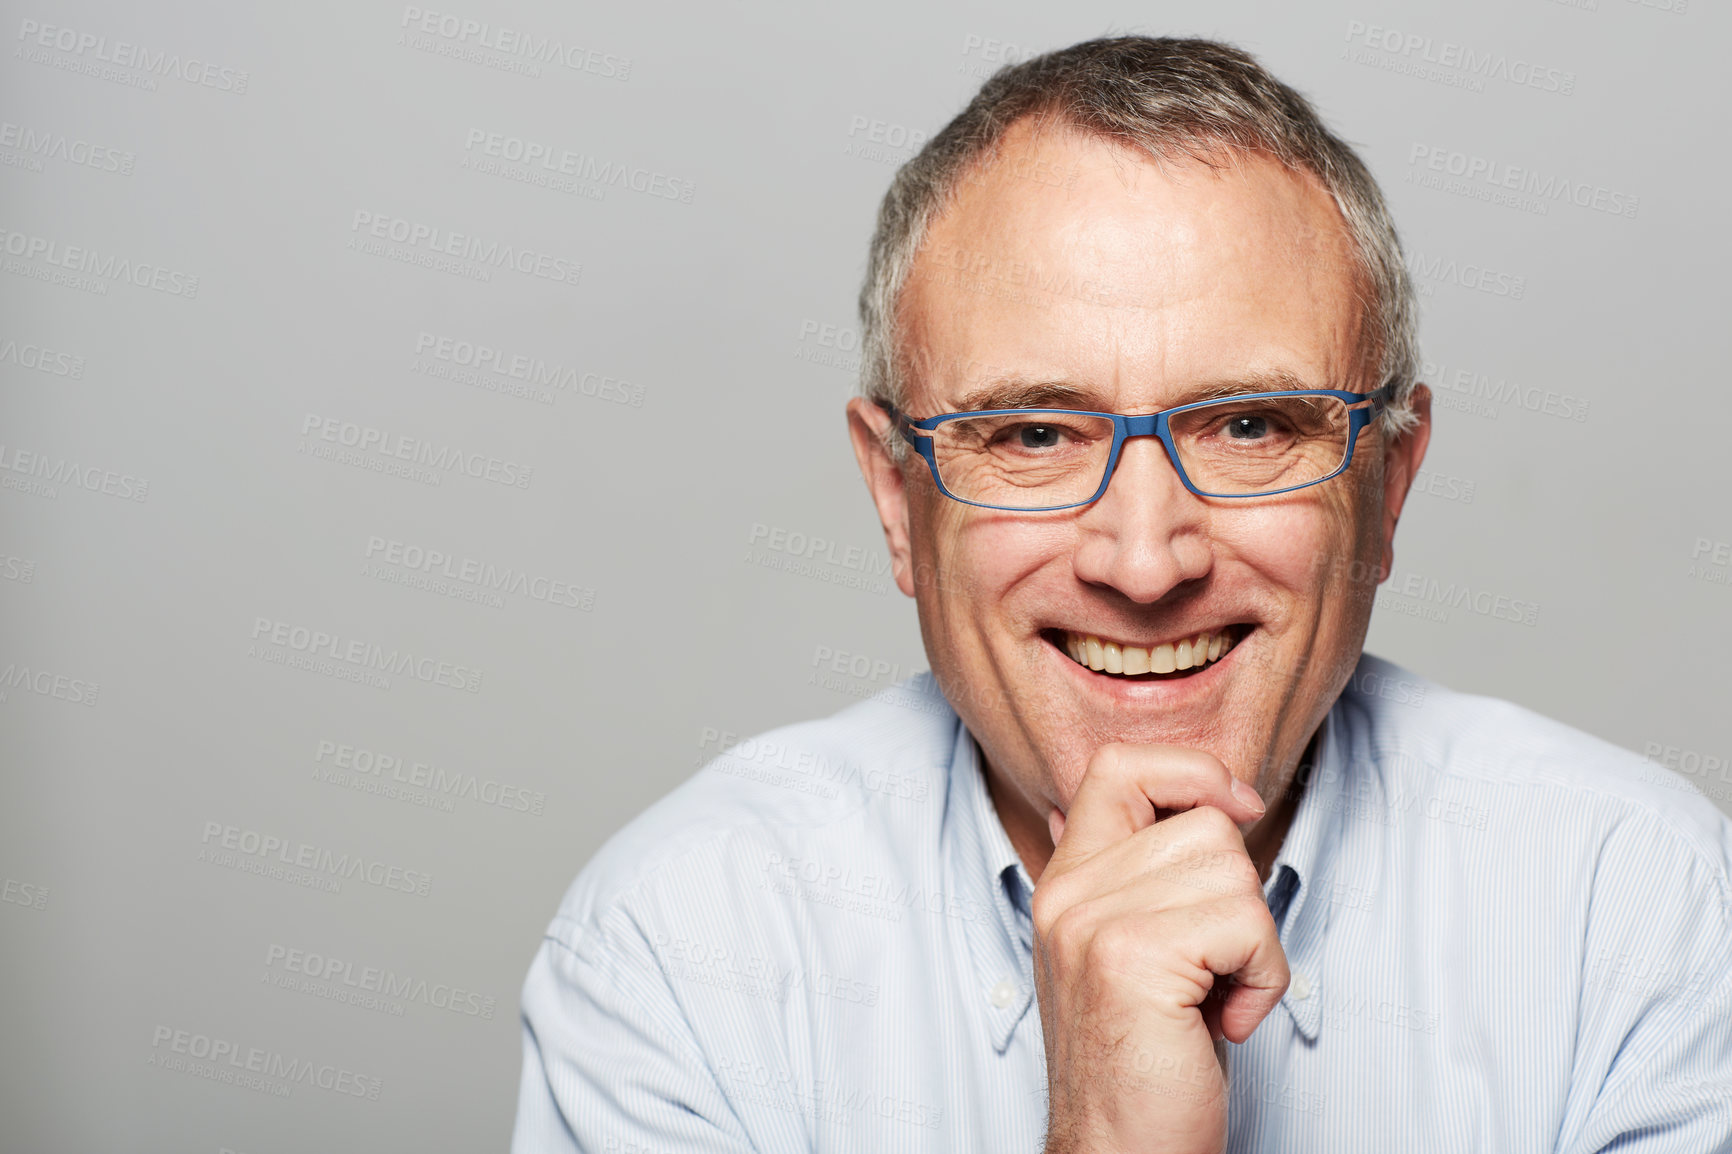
x,y
989,877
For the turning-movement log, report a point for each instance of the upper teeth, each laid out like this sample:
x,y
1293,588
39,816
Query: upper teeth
x,y
1111,657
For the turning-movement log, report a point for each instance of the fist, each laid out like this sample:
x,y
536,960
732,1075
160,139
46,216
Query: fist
x,y
1153,943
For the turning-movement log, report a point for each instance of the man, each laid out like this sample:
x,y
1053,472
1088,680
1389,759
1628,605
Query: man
x,y
1154,859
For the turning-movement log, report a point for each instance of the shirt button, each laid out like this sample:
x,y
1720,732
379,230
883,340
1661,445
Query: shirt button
x,y
1003,994
1300,987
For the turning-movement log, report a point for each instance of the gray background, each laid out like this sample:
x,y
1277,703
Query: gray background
x,y
680,477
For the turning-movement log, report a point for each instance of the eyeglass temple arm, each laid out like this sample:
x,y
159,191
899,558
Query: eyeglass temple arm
x,y
903,424
1381,398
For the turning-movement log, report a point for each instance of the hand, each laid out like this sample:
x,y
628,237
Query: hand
x,y
1152,942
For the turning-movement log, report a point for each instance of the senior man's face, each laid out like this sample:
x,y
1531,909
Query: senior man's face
x,y
1076,262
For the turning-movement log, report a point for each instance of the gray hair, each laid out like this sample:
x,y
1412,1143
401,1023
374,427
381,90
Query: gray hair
x,y
1167,97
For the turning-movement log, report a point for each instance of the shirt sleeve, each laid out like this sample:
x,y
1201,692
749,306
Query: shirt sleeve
x,y
1654,1044
609,1061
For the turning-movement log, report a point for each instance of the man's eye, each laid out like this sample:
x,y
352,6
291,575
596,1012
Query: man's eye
x,y
1248,428
1038,436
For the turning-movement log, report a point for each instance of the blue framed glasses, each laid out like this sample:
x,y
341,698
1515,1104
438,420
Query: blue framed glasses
x,y
1041,460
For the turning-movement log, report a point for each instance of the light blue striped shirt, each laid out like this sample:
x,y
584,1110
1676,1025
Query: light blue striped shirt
x,y
1505,935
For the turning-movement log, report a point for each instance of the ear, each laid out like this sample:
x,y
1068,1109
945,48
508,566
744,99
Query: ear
x,y
869,427
1401,460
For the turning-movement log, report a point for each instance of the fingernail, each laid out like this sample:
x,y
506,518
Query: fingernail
x,y
1249,796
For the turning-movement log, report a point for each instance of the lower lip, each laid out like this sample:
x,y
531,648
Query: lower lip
x,y
1151,692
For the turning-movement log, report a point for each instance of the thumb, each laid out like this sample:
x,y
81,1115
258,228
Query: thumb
x,y
1055,823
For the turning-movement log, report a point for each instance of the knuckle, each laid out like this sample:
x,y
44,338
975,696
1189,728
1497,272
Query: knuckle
x,y
1240,912
1113,945
1160,851
1205,768
1250,910
1071,925
1204,827
1220,911
1048,905
1110,760
1213,825
1223,873
1236,867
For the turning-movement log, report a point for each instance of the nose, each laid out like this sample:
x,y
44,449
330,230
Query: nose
x,y
1148,534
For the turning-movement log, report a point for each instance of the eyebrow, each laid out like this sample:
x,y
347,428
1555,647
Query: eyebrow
x,y
1027,393
1018,392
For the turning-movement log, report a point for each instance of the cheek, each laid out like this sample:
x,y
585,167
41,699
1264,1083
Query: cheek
x,y
975,560
1294,546
1344,572
949,581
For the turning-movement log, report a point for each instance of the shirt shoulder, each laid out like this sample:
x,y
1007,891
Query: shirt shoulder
x,y
1421,735
864,779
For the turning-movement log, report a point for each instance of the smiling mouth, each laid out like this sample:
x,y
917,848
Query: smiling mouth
x,y
1167,661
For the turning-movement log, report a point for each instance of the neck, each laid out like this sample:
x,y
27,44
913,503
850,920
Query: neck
x,y
1026,826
